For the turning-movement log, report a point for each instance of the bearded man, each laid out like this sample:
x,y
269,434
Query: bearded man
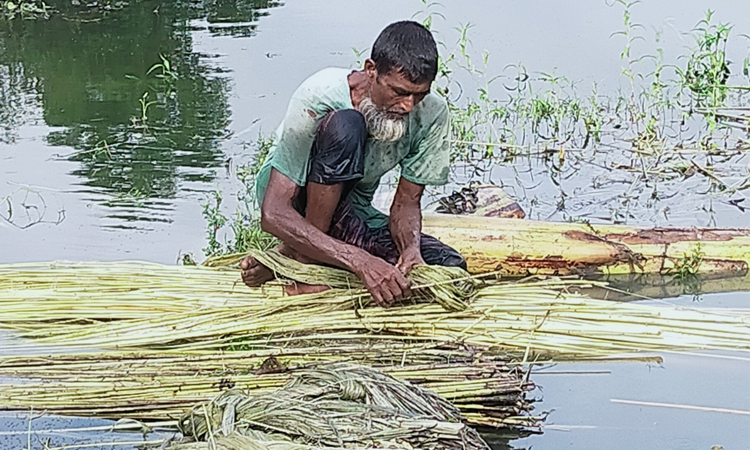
x,y
342,132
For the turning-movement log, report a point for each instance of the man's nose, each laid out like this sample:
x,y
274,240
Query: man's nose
x,y
407,104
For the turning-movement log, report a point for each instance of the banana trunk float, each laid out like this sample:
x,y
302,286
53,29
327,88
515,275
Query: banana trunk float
x,y
524,247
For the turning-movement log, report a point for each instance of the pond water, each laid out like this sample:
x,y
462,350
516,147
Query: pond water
x,y
93,170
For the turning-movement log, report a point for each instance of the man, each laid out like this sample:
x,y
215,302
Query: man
x,y
342,132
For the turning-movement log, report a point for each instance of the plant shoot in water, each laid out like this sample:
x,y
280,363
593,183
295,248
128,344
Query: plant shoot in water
x,y
244,224
25,10
689,265
707,69
165,67
214,221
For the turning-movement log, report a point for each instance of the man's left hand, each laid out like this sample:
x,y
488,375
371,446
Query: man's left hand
x,y
409,258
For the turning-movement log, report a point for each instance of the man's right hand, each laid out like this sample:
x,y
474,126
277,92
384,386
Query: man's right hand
x,y
385,282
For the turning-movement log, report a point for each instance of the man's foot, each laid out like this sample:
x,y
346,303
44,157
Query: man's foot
x,y
302,288
254,273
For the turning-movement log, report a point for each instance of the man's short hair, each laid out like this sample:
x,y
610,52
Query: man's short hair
x,y
409,48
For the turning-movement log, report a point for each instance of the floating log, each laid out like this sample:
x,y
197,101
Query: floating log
x,y
525,247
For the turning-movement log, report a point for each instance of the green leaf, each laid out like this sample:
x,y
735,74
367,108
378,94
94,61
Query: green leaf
x,y
154,67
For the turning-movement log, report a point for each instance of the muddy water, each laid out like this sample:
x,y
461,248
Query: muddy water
x,y
75,148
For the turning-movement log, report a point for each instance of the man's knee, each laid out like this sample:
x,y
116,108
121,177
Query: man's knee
x,y
447,257
454,259
343,123
436,253
338,151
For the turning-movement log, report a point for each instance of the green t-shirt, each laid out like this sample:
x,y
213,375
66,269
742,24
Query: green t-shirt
x,y
423,152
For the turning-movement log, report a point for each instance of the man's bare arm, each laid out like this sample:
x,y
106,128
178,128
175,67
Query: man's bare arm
x,y
279,218
406,224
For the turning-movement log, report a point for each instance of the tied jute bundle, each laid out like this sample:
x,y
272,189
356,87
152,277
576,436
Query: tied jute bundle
x,y
450,287
332,406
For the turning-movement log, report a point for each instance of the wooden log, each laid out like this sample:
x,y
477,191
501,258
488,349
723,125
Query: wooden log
x,y
524,247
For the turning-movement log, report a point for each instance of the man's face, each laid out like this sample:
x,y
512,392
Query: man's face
x,y
392,97
394,94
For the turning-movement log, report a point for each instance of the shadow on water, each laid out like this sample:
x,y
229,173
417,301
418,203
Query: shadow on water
x,y
142,111
636,287
502,439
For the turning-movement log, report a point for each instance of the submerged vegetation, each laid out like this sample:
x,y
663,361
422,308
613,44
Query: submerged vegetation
x,y
668,130
542,112
25,207
244,223
23,9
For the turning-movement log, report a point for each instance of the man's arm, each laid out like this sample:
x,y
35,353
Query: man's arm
x,y
428,162
406,224
279,218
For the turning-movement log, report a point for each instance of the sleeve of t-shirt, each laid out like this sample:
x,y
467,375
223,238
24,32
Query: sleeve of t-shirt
x,y
428,161
301,121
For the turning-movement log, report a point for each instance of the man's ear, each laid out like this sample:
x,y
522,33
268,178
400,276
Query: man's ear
x,y
370,70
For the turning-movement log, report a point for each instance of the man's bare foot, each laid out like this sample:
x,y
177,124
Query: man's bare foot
x,y
302,288
254,273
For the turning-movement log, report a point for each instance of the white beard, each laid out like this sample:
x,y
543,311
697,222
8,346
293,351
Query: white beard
x,y
381,125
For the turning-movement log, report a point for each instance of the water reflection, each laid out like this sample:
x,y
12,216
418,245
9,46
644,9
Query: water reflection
x,y
502,439
18,99
121,83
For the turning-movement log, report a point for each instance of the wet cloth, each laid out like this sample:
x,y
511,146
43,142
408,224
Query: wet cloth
x,y
346,226
422,153
337,156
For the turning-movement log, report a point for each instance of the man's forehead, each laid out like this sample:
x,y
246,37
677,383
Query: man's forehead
x,y
396,78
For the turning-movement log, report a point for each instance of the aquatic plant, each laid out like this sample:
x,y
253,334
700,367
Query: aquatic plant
x,y
245,233
25,9
26,207
214,221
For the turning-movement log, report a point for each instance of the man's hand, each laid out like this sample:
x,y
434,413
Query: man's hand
x,y
385,282
409,258
406,224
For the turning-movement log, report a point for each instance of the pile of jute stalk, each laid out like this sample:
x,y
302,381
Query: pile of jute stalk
x,y
332,406
127,306
124,309
159,385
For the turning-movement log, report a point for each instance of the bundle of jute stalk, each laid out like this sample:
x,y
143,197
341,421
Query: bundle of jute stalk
x,y
33,296
159,385
450,287
93,291
339,406
524,318
178,315
531,318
